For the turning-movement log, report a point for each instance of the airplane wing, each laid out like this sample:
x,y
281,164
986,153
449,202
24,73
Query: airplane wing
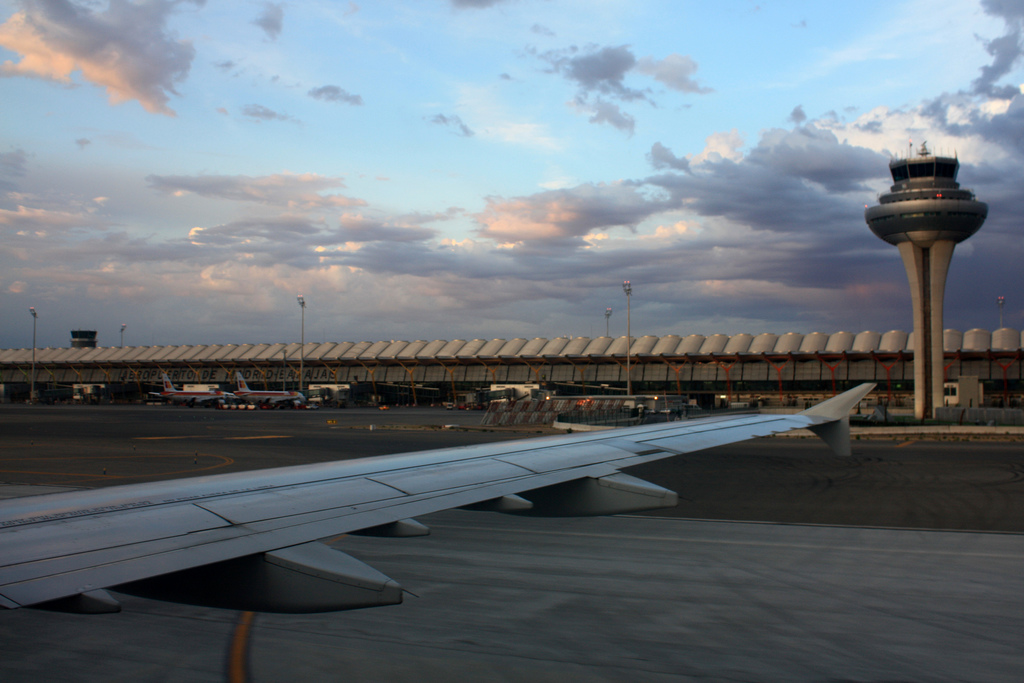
x,y
251,540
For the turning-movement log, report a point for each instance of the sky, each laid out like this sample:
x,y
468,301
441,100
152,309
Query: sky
x,y
461,169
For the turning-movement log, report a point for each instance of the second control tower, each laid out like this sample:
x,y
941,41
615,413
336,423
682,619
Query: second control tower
x,y
925,215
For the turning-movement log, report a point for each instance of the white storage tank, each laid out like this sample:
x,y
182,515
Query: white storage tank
x,y
977,340
738,343
714,344
866,342
789,343
666,345
691,344
1005,339
814,342
763,343
839,342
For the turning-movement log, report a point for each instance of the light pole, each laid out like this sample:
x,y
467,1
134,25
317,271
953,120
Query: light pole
x,y
32,383
607,316
123,325
628,289
302,347
1000,300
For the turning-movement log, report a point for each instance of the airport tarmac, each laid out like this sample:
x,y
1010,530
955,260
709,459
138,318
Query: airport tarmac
x,y
644,598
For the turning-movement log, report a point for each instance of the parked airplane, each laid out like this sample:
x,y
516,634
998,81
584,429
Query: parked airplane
x,y
251,540
190,397
266,397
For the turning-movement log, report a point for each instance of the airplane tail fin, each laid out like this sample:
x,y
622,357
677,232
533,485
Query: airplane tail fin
x,y
242,386
834,415
168,385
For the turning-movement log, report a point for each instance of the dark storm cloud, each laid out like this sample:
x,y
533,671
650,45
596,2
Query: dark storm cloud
x,y
266,241
332,93
816,156
453,123
791,182
599,70
271,19
599,73
125,48
607,112
661,157
1005,50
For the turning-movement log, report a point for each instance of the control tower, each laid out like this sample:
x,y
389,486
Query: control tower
x,y
925,214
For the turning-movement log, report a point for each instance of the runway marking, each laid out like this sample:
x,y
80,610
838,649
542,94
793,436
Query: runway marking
x,y
239,653
243,438
906,443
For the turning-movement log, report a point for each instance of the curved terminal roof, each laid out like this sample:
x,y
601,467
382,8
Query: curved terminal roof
x,y
691,347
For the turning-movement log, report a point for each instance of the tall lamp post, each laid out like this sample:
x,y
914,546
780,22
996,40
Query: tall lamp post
x,y
123,325
607,316
1000,300
302,348
628,289
32,383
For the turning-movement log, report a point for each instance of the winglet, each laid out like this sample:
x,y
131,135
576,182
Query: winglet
x,y
834,428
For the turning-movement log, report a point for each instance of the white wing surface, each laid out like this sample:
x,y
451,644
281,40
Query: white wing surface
x,y
251,540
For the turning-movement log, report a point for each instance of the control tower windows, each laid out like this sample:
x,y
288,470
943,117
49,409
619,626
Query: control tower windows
x,y
922,170
944,169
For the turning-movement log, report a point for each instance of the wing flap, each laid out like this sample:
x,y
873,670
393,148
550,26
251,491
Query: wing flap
x,y
451,475
298,500
564,457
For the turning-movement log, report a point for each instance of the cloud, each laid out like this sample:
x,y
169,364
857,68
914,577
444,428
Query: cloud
x,y
357,228
792,182
607,112
1005,50
720,145
661,157
271,19
600,74
39,221
126,48
676,71
286,236
83,142
797,116
261,113
564,217
13,164
292,190
454,123
332,93
600,70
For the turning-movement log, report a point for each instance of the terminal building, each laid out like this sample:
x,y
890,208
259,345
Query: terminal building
x,y
765,369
